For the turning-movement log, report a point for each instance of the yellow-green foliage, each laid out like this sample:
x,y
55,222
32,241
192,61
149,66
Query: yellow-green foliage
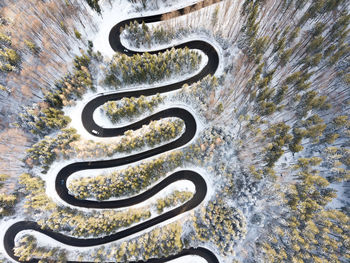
x,y
174,199
44,152
130,107
32,46
155,133
27,249
220,224
127,181
147,68
7,202
159,242
311,230
9,59
71,220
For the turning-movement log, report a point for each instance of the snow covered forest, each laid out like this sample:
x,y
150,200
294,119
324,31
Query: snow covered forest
x,y
271,136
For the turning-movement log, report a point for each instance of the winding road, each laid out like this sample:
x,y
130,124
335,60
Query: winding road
x,y
89,124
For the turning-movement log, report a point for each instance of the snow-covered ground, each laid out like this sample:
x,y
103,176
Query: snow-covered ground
x,y
50,176
74,252
191,37
186,259
46,241
103,121
75,114
119,11
111,15
182,185
342,192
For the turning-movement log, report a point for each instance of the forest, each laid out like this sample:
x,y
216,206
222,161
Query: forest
x,y
270,134
147,68
128,108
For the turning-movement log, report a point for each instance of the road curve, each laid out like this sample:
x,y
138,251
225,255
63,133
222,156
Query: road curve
x,y
89,124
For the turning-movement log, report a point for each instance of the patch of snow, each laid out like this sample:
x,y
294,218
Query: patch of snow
x,y
186,259
340,200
